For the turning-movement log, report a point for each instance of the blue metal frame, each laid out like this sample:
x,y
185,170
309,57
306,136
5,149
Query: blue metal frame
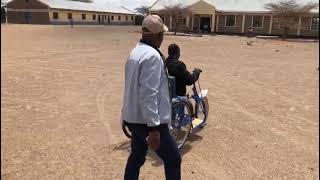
x,y
184,119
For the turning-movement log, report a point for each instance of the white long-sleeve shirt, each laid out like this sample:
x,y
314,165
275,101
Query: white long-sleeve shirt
x,y
146,94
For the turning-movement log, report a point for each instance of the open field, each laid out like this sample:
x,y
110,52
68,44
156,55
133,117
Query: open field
x,y
61,92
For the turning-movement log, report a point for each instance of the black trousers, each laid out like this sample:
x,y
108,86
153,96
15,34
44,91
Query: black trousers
x,y
168,152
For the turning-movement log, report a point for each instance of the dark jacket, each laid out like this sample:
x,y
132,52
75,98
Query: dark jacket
x,y
183,77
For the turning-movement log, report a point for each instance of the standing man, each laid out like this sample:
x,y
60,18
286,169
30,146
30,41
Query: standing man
x,y
146,105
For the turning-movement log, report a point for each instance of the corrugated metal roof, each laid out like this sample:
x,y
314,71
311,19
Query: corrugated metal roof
x,y
227,5
220,5
83,6
163,3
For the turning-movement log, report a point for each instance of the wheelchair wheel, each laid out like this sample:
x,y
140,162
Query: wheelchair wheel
x,y
126,131
180,126
202,110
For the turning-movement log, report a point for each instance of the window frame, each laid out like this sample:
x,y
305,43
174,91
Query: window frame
x,y
262,22
291,21
70,17
55,17
225,21
311,24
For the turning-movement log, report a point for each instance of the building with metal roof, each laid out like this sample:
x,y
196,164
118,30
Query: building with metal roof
x,y
234,16
67,11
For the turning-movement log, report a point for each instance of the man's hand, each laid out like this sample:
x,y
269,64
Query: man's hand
x,y
198,70
154,140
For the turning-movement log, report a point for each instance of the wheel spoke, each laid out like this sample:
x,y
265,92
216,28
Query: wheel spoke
x,y
180,129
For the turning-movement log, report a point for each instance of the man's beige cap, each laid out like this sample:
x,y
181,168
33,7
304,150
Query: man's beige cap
x,y
154,24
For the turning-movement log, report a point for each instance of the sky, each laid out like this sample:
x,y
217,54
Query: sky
x,y
127,3
131,4
220,4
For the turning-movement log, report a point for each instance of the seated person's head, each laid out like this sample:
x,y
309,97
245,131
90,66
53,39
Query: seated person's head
x,y
174,51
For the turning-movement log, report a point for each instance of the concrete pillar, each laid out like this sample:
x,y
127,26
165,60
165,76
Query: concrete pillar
x,y
192,22
270,26
243,23
217,24
187,21
199,20
170,25
213,21
6,11
299,26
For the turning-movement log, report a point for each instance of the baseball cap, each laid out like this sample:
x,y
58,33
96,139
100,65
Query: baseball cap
x,y
154,24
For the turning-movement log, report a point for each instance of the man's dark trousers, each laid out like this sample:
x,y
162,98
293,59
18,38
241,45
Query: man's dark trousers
x,y
168,152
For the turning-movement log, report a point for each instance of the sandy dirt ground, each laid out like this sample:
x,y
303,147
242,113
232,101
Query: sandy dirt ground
x,y
61,92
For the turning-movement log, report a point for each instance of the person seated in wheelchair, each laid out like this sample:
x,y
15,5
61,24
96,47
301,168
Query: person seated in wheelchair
x,y
178,69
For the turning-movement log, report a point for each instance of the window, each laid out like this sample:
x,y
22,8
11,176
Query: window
x,y
28,17
230,21
69,15
112,18
83,16
105,16
315,23
55,15
287,22
93,17
126,18
131,18
257,21
119,18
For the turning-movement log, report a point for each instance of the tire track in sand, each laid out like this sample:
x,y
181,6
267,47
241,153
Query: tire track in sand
x,y
100,99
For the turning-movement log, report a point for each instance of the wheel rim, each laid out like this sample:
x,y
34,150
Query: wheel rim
x,y
180,134
201,112
126,131
203,109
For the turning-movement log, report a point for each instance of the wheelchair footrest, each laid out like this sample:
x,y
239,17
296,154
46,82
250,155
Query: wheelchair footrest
x,y
196,122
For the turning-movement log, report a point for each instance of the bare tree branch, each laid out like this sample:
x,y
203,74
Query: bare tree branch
x,y
143,9
178,12
290,8
285,10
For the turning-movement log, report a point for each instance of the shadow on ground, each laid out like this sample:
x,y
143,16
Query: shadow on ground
x,y
152,156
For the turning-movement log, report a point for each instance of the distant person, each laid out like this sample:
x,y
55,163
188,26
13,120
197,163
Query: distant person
x,y
147,106
251,36
178,69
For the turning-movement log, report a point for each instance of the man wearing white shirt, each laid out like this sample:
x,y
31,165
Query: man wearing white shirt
x,y
146,104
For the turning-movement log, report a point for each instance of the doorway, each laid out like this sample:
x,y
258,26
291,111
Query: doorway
x,y
205,24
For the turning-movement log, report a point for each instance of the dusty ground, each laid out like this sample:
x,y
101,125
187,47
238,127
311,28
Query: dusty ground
x,y
61,92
